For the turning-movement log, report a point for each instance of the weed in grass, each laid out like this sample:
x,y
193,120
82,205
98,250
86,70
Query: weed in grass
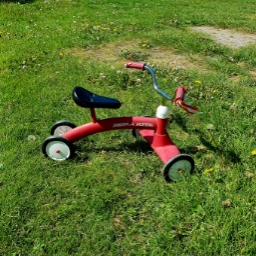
x,y
134,56
217,146
111,198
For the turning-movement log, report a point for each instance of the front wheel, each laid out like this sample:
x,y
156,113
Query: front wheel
x,y
58,148
62,127
178,167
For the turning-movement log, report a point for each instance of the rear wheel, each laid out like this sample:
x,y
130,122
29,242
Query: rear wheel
x,y
62,127
178,168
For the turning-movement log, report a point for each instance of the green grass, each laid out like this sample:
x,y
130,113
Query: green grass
x,y
111,199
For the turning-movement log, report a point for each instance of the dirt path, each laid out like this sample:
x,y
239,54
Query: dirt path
x,y
230,38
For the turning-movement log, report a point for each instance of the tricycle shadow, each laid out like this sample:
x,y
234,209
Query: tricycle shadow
x,y
139,147
228,155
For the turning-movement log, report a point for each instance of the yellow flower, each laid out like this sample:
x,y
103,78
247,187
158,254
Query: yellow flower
x,y
198,82
144,45
61,54
208,171
254,152
214,91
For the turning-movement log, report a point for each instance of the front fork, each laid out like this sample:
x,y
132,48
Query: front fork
x,y
159,140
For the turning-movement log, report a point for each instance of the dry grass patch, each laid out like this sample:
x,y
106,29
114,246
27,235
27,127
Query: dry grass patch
x,y
118,53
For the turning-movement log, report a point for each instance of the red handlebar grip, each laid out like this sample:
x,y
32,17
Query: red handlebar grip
x,y
137,65
180,92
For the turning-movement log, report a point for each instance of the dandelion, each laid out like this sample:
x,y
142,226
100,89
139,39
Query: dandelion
x,y
214,91
233,106
249,174
208,171
198,82
144,45
102,75
176,79
226,203
231,59
31,137
254,152
209,127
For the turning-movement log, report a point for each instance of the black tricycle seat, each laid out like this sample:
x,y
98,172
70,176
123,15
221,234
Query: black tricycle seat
x,y
87,99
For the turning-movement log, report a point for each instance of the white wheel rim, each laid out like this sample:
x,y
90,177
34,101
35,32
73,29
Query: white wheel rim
x,y
58,150
179,170
61,129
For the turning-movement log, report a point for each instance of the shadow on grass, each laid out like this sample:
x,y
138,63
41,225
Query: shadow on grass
x,y
221,151
228,154
180,121
139,146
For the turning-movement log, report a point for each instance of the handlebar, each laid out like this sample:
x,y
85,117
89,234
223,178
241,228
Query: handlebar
x,y
143,66
137,65
178,101
180,90
180,93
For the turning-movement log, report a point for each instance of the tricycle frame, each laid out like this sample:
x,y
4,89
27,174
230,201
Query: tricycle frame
x,y
152,129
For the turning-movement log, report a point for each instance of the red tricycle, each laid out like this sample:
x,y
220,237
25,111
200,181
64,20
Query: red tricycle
x,y
60,147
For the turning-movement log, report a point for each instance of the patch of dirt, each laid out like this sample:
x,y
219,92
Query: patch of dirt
x,y
119,53
229,38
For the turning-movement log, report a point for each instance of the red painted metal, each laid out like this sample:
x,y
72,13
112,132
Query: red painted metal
x,y
180,92
152,129
136,65
160,141
121,123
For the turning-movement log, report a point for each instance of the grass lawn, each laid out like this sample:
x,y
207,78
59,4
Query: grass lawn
x,y
111,198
